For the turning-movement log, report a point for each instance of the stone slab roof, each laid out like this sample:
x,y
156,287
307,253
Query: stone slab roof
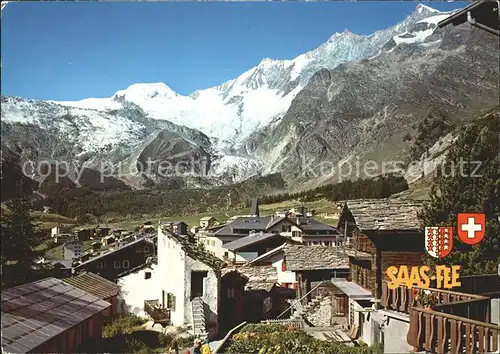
x,y
197,253
299,257
385,214
259,277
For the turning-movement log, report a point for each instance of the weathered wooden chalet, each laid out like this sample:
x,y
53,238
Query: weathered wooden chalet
x,y
314,265
385,233
50,316
128,256
264,298
98,286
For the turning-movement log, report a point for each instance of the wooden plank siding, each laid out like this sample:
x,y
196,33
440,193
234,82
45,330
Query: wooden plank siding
x,y
70,341
387,248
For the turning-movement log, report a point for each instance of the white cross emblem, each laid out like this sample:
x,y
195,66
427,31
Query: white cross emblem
x,y
471,227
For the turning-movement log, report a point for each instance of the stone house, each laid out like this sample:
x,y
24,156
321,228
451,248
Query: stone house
x,y
276,259
300,229
72,249
314,265
196,303
207,221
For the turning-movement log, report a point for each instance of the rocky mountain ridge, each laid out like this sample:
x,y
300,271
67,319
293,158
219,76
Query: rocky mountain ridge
x,y
353,98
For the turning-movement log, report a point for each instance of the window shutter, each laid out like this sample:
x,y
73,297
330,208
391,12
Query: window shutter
x,y
283,266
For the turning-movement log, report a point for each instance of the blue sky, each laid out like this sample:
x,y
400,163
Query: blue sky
x,y
75,50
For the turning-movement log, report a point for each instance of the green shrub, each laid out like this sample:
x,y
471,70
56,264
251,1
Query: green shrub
x,y
122,325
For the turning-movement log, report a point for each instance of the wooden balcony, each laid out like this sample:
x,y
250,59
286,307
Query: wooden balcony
x,y
458,324
157,312
439,332
401,299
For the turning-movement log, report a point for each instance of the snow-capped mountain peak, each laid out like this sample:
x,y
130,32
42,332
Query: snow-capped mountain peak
x,y
146,91
421,8
233,110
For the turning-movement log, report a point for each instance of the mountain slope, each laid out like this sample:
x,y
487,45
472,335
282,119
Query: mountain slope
x,y
361,111
353,97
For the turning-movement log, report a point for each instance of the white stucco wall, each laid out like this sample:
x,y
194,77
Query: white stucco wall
x,y
174,276
395,331
277,260
134,289
283,276
171,267
72,250
218,250
366,322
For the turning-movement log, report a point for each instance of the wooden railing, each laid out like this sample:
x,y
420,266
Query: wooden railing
x,y
158,314
286,322
439,332
401,299
458,324
224,342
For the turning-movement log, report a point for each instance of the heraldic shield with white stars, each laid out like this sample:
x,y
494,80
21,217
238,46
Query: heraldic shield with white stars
x,y
438,241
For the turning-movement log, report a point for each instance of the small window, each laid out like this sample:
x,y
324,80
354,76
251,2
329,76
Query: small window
x,y
226,254
126,264
116,264
231,293
101,264
147,275
171,301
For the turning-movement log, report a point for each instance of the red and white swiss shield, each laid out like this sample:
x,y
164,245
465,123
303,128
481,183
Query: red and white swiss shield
x,y
438,241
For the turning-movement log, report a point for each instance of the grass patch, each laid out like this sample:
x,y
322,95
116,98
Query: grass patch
x,y
53,251
125,334
322,206
122,325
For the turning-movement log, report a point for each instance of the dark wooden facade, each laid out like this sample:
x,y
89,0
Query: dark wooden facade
x,y
379,250
118,261
309,279
263,305
232,301
71,340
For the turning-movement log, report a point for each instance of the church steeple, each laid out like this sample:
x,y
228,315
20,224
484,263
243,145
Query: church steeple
x,y
254,211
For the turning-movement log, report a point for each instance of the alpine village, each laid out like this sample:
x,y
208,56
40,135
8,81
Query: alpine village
x,y
332,270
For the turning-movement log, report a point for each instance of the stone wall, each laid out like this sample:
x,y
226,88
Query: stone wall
x,y
322,315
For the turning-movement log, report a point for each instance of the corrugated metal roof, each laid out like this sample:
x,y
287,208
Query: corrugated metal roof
x,y
36,312
94,284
